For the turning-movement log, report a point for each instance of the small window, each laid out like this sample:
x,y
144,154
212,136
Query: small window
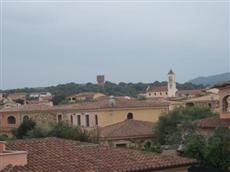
x,y
166,93
155,94
11,120
25,118
87,120
130,116
71,119
121,145
79,120
149,94
59,118
160,93
96,120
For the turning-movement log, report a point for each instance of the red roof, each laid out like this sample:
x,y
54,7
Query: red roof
x,y
60,155
127,129
212,122
97,105
158,88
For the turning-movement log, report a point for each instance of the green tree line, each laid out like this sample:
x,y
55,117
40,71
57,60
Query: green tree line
x,y
109,88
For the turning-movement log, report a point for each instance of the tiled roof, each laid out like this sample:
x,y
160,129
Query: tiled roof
x,y
100,104
158,88
189,92
58,155
85,94
212,122
15,96
223,84
208,98
127,129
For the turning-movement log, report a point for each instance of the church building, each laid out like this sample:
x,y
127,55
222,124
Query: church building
x,y
165,91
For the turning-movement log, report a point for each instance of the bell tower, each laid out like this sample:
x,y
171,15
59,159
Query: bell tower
x,y
172,84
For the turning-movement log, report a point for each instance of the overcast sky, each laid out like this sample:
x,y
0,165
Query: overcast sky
x,y
49,43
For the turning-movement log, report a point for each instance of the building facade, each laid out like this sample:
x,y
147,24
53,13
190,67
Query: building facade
x,y
89,115
165,91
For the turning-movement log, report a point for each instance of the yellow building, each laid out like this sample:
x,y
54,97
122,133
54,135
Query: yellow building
x,y
89,115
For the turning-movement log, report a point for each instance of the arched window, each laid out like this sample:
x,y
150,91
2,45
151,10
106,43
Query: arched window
x,y
11,120
148,144
130,115
25,118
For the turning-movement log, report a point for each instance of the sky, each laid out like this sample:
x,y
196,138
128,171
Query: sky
x,y
53,42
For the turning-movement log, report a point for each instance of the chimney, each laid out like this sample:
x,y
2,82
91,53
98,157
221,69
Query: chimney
x,y
14,158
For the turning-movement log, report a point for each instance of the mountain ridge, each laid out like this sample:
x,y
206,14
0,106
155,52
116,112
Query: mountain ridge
x,y
211,80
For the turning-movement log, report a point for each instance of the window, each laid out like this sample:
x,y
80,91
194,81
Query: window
x,y
121,145
147,144
71,119
96,120
59,118
166,93
130,115
149,94
11,120
79,120
226,104
87,120
160,93
25,118
155,94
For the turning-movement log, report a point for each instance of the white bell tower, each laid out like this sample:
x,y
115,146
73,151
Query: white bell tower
x,y
172,84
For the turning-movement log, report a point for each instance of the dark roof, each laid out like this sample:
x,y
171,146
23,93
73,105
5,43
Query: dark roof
x,y
212,122
223,84
59,155
127,129
171,72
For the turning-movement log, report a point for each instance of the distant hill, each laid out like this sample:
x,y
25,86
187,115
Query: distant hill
x,y
211,80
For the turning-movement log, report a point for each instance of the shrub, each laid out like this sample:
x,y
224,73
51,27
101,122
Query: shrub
x,y
23,129
153,148
213,152
171,125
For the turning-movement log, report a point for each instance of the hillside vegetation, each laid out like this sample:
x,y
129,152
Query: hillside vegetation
x,y
211,80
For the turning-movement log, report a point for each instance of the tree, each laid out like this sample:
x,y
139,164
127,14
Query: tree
x,y
64,130
171,125
24,128
212,152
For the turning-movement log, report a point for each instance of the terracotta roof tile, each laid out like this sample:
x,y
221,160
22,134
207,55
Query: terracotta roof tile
x,y
100,104
158,88
212,122
51,154
127,129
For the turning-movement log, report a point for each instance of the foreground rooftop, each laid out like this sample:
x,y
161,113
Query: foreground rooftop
x,y
60,155
129,128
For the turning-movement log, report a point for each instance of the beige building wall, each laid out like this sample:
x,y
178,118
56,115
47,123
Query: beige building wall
x,y
154,94
109,117
105,116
